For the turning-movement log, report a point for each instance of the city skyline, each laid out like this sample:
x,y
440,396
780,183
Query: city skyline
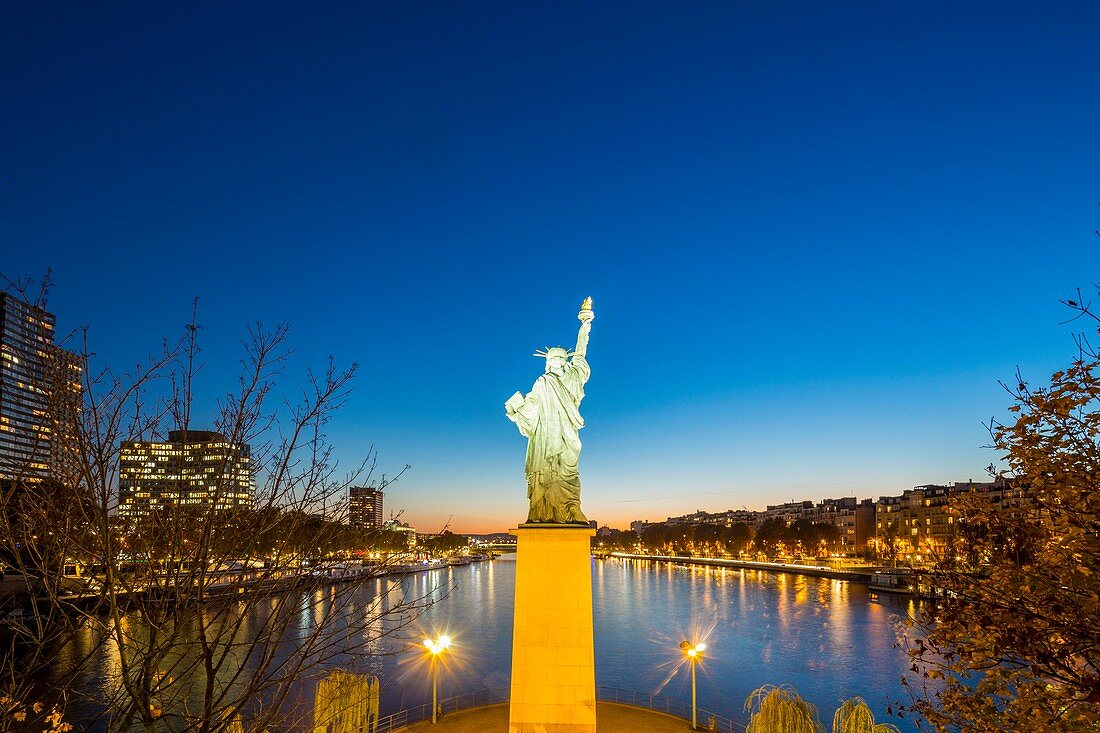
x,y
816,240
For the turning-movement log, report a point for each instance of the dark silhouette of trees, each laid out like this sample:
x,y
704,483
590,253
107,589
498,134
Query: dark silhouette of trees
x,y
707,539
445,543
770,535
210,615
806,537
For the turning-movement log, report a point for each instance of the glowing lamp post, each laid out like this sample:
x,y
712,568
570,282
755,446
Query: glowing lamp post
x,y
435,647
694,654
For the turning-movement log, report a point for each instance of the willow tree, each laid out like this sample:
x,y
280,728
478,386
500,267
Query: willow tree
x,y
1014,644
779,709
854,716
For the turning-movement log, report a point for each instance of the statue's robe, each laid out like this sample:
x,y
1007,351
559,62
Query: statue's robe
x,y
550,420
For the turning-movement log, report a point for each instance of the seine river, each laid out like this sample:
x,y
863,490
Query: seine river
x,y
826,638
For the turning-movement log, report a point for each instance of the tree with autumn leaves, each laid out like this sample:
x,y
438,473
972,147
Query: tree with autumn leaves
x,y
1013,644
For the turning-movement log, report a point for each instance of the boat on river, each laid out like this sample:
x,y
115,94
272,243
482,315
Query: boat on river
x,y
413,567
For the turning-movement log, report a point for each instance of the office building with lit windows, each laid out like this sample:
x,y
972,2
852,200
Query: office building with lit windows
x,y
920,523
365,507
40,387
193,468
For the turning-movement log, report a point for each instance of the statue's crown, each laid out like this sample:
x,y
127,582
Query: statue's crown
x,y
553,351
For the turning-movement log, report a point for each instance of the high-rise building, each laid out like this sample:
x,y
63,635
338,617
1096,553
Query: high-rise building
x,y
40,386
197,468
365,507
66,406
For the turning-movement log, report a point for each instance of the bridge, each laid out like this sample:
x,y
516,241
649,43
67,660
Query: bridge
x,y
497,546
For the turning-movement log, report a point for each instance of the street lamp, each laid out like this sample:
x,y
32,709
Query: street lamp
x,y
694,654
435,648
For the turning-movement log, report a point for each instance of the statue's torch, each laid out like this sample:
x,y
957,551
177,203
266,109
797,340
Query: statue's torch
x,y
586,315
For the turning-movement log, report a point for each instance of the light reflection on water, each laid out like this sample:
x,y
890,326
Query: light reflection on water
x,y
822,636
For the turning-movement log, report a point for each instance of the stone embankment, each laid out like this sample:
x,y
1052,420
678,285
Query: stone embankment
x,y
860,575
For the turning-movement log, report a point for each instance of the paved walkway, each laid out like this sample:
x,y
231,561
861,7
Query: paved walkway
x,y
610,718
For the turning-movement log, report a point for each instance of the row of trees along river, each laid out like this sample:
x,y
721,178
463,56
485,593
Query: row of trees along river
x,y
773,537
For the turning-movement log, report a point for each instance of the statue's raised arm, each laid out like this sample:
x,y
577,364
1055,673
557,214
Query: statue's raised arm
x,y
586,316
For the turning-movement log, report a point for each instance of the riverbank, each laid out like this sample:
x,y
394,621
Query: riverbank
x,y
899,581
20,594
862,575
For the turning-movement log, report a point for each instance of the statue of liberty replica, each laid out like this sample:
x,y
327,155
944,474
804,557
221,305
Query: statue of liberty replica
x,y
553,659
549,417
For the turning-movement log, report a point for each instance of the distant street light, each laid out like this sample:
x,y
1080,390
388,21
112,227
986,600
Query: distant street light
x,y
694,654
435,647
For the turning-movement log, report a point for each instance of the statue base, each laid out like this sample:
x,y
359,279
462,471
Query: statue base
x,y
553,663
554,525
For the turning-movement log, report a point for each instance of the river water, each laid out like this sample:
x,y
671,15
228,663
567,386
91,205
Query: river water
x,y
826,638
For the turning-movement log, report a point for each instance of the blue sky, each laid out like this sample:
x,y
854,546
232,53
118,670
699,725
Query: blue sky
x,y
817,235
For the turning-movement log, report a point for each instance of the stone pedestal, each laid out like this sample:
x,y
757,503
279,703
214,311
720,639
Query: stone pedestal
x,y
553,668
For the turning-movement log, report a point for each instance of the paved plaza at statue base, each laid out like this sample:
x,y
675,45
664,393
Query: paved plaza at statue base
x,y
612,717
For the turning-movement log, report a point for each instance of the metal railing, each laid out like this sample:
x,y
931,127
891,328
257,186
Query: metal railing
x,y
708,721
403,718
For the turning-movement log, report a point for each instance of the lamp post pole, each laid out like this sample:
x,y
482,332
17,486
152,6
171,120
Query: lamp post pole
x,y
694,653
435,686
694,724
435,647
